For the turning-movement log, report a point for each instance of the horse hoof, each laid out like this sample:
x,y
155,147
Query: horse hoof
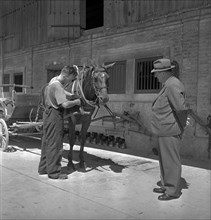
x,y
82,165
71,167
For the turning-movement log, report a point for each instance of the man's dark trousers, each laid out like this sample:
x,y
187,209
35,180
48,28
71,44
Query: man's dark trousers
x,y
52,141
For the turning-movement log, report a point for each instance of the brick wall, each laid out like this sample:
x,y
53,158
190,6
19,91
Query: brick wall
x,y
184,37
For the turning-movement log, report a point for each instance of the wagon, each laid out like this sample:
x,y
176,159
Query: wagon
x,y
19,113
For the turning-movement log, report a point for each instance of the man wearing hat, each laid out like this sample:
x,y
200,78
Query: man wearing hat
x,y
165,125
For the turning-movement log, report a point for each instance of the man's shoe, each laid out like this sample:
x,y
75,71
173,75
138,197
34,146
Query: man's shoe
x,y
60,176
43,173
159,190
63,176
166,197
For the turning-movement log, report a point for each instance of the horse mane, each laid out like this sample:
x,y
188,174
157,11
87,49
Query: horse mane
x,y
87,85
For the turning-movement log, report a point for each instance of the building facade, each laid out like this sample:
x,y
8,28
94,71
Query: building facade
x,y
39,37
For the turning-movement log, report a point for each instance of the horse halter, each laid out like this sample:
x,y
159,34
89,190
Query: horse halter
x,y
96,88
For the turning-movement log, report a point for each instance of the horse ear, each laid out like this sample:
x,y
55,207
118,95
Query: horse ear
x,y
77,69
84,66
93,63
108,66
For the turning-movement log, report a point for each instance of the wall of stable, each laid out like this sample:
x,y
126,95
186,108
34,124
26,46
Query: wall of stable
x,y
184,37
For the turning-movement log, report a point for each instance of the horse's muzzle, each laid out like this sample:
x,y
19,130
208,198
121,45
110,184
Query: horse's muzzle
x,y
103,96
103,99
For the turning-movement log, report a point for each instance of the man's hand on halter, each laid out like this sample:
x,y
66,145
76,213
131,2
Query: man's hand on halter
x,y
71,96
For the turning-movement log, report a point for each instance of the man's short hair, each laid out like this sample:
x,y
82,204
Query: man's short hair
x,y
68,70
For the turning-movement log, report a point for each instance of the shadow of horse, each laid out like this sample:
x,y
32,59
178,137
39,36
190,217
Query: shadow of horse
x,y
93,163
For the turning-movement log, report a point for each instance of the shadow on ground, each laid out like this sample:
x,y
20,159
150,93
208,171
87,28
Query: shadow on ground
x,y
25,142
93,162
183,183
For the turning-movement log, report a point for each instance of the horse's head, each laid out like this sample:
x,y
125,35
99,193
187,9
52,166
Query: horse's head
x,y
100,82
91,84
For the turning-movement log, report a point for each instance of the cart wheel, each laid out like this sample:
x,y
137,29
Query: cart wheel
x,y
4,135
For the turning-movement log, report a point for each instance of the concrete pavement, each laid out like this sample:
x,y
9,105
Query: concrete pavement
x,y
113,186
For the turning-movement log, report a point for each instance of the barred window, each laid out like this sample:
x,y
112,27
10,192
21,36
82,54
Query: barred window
x,y
117,78
145,82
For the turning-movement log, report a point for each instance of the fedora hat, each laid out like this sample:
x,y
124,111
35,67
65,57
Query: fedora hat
x,y
162,65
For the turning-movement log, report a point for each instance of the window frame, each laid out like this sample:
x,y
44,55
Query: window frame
x,y
19,74
142,91
123,90
5,77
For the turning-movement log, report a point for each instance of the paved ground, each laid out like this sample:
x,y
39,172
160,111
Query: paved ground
x,y
113,186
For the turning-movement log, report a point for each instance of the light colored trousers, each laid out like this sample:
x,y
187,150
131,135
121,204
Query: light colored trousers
x,y
170,164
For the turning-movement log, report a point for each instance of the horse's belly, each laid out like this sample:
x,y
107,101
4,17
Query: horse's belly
x,y
82,118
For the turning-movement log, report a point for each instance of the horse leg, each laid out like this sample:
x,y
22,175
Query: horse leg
x,y
84,128
71,143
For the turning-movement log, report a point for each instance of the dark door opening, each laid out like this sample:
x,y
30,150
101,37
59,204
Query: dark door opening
x,y
18,79
94,13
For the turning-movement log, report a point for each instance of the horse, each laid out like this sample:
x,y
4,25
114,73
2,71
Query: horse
x,y
91,86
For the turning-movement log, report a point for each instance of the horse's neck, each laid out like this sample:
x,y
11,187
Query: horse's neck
x,y
83,85
87,86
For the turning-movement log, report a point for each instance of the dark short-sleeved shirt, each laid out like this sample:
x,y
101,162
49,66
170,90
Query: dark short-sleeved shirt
x,y
55,94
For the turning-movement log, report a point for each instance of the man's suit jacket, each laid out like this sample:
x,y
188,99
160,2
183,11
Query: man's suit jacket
x,y
163,122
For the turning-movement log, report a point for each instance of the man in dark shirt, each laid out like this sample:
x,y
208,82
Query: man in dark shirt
x,y
55,102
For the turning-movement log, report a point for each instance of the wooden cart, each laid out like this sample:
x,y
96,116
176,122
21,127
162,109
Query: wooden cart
x,y
19,113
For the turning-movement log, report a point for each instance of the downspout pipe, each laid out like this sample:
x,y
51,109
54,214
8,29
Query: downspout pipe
x,y
2,38
2,59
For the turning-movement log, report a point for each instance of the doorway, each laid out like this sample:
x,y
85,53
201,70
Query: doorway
x,y
18,79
